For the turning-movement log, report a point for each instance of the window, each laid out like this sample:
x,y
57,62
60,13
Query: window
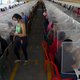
x,y
7,1
0,1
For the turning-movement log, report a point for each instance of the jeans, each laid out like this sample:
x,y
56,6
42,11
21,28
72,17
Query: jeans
x,y
23,45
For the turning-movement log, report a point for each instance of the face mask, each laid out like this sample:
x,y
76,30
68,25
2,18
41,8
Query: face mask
x,y
15,22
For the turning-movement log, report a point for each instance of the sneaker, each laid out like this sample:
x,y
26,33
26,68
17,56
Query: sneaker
x,y
26,61
16,61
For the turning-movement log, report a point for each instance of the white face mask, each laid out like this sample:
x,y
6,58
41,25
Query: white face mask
x,y
15,22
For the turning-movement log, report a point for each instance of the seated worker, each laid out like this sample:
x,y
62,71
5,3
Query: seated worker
x,y
64,61
3,46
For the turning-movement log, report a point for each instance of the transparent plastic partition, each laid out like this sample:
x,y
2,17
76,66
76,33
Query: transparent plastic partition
x,y
70,57
71,34
67,24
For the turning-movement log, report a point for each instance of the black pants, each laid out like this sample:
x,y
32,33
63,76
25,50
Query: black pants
x,y
18,44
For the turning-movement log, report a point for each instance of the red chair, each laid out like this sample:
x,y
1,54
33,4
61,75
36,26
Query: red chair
x,y
53,48
48,60
54,68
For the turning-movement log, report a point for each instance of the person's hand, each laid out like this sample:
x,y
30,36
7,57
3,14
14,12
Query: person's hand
x,y
74,66
15,34
21,42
